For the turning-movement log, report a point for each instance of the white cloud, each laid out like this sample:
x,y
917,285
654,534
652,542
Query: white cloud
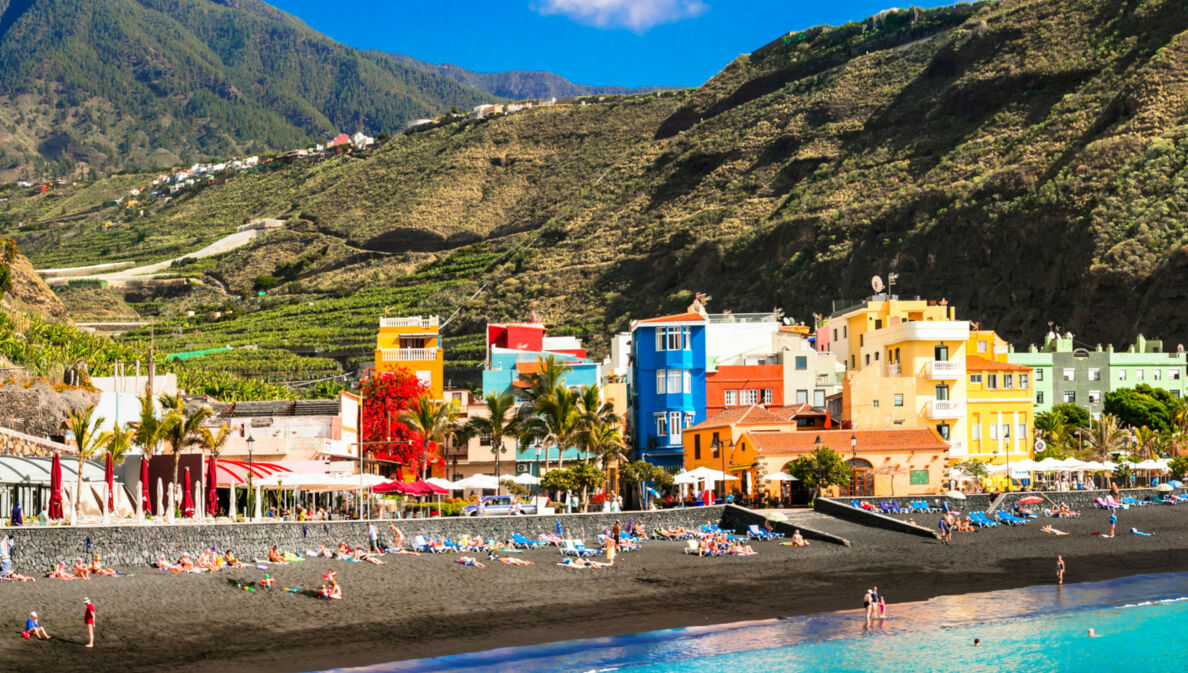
x,y
638,15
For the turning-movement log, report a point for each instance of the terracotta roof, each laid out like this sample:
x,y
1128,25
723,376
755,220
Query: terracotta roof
x,y
797,410
680,317
522,384
528,367
897,439
981,364
751,414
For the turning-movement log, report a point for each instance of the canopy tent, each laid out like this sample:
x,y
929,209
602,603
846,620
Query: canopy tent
x,y
705,473
781,476
1149,464
684,478
1047,465
483,482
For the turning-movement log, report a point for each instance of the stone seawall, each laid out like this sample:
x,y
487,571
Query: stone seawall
x,y
1078,500
847,512
37,548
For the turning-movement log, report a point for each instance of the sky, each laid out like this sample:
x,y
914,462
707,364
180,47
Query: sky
x,y
598,42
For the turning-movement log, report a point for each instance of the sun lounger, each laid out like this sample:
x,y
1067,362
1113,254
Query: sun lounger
x,y
421,544
1134,501
1160,501
522,542
755,532
691,547
981,520
581,547
855,504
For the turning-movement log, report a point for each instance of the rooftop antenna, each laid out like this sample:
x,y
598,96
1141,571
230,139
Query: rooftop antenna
x,y
876,284
891,278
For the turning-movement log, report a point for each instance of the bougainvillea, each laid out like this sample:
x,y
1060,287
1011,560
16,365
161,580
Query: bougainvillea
x,y
386,396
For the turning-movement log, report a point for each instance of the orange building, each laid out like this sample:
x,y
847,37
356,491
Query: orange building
x,y
742,385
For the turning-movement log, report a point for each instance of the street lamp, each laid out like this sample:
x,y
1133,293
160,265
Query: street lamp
x,y
721,448
853,446
251,444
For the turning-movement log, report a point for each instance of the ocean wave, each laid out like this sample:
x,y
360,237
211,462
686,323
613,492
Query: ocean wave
x,y
1160,601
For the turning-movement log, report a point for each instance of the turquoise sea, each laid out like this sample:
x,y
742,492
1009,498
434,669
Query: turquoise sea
x,y
1139,623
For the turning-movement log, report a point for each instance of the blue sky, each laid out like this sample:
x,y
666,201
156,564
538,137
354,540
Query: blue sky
x,y
600,42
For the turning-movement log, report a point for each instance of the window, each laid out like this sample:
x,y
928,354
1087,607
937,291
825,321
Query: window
x,y
661,381
1039,397
1173,374
1121,374
716,444
1022,430
485,440
1008,381
1039,375
1070,374
942,392
918,477
940,352
1138,375
819,399
688,419
802,397
1155,373
868,358
1070,397
1006,431
878,323
731,398
672,338
874,403
1024,381
1094,396
896,356
767,395
975,379
975,432
659,339
943,429
688,380
992,382
674,427
993,431
845,331
1094,374
456,397
749,396
674,380
853,362
835,334
661,424
899,399
697,446
801,363
876,356
983,346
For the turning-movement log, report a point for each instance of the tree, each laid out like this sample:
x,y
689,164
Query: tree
x,y
1142,405
1072,414
117,443
386,397
213,442
1178,467
554,420
182,432
638,473
974,468
433,421
500,423
1147,441
1123,471
546,380
85,428
608,445
557,481
594,414
148,430
820,469
1105,437
586,476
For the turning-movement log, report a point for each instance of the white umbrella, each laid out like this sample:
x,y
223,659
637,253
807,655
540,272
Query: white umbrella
x,y
525,479
778,516
1165,488
1070,464
231,506
1026,465
479,481
1148,465
442,483
703,473
1048,465
684,478
781,476
956,495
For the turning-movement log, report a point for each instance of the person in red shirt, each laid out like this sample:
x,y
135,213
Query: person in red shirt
x,y
89,618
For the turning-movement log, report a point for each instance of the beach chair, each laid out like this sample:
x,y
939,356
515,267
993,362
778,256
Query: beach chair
x,y
568,549
1160,501
855,504
987,522
581,548
522,542
691,547
757,533
1109,500
420,544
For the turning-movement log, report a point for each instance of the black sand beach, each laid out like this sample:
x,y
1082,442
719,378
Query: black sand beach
x,y
420,606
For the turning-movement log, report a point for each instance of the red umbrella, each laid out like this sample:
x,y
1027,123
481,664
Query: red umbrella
x,y
146,503
109,477
55,501
430,489
1030,500
394,486
212,496
187,499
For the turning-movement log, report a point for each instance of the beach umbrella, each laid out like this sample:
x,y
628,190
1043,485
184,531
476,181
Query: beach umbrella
x,y
684,478
428,488
109,477
1165,487
778,516
1175,484
231,506
212,495
781,476
560,531
1030,500
484,482
956,495
187,501
1048,465
145,503
55,500
442,483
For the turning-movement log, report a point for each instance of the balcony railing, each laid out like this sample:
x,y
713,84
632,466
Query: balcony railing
x,y
409,354
946,370
894,370
941,409
411,321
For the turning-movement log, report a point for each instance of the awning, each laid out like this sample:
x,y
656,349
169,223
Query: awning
x,y
235,471
36,470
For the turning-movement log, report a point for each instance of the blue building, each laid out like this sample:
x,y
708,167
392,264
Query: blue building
x,y
506,366
668,384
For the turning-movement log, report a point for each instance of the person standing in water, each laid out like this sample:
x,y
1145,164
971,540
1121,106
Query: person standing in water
x,y
1059,569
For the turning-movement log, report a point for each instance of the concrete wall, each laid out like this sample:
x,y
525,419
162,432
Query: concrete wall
x,y
847,512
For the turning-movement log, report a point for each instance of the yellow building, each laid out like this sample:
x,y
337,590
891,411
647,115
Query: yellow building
x,y
1000,409
414,344
910,374
846,329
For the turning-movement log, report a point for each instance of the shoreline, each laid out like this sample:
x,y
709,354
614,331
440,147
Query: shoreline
x,y
426,606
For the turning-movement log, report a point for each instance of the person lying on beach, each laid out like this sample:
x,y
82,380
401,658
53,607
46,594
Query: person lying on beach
x,y
470,561
639,532
739,549
331,590
274,556
1049,529
1063,509
98,569
230,561
81,571
59,572
11,574
579,563
507,560
1139,532
323,551
361,555
207,560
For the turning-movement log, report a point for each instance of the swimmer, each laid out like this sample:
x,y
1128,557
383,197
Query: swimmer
x,y
977,642
1092,634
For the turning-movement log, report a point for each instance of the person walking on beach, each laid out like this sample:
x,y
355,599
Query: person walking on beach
x,y
1059,569
372,538
89,620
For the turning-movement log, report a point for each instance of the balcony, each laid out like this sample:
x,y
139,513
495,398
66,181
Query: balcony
x,y
946,370
412,321
957,449
946,409
894,370
409,354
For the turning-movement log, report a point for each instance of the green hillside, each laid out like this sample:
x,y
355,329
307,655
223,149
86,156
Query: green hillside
x,y
519,84
116,83
1024,159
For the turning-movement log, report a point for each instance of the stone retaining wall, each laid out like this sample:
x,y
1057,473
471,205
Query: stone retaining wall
x,y
38,548
13,443
740,518
847,512
1078,500
974,501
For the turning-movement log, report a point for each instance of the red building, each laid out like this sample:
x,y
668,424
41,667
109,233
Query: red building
x,y
740,385
516,336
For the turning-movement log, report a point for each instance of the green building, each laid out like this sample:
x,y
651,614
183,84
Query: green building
x,y
1082,376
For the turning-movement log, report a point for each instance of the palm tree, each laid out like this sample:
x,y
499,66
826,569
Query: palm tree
x,y
1105,436
547,380
117,443
182,431
595,414
85,428
148,430
434,421
213,442
607,443
501,422
1146,441
554,419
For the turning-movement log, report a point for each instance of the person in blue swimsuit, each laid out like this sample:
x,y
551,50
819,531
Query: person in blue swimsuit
x,y
1113,522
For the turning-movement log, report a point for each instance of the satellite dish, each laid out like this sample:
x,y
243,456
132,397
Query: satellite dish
x,y
1040,445
876,284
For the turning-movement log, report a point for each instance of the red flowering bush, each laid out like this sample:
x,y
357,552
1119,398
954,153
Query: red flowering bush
x,y
386,396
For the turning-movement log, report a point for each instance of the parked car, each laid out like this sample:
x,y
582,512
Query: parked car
x,y
499,505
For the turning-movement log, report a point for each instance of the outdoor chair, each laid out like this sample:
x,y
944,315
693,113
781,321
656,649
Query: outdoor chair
x,y
522,542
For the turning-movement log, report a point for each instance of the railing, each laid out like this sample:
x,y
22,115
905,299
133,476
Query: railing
x,y
743,317
409,354
894,370
412,321
946,369
946,409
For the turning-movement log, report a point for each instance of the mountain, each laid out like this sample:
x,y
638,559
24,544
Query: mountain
x,y
520,84
1027,160
151,83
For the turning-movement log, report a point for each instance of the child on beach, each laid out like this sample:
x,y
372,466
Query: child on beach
x,y
331,590
34,628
